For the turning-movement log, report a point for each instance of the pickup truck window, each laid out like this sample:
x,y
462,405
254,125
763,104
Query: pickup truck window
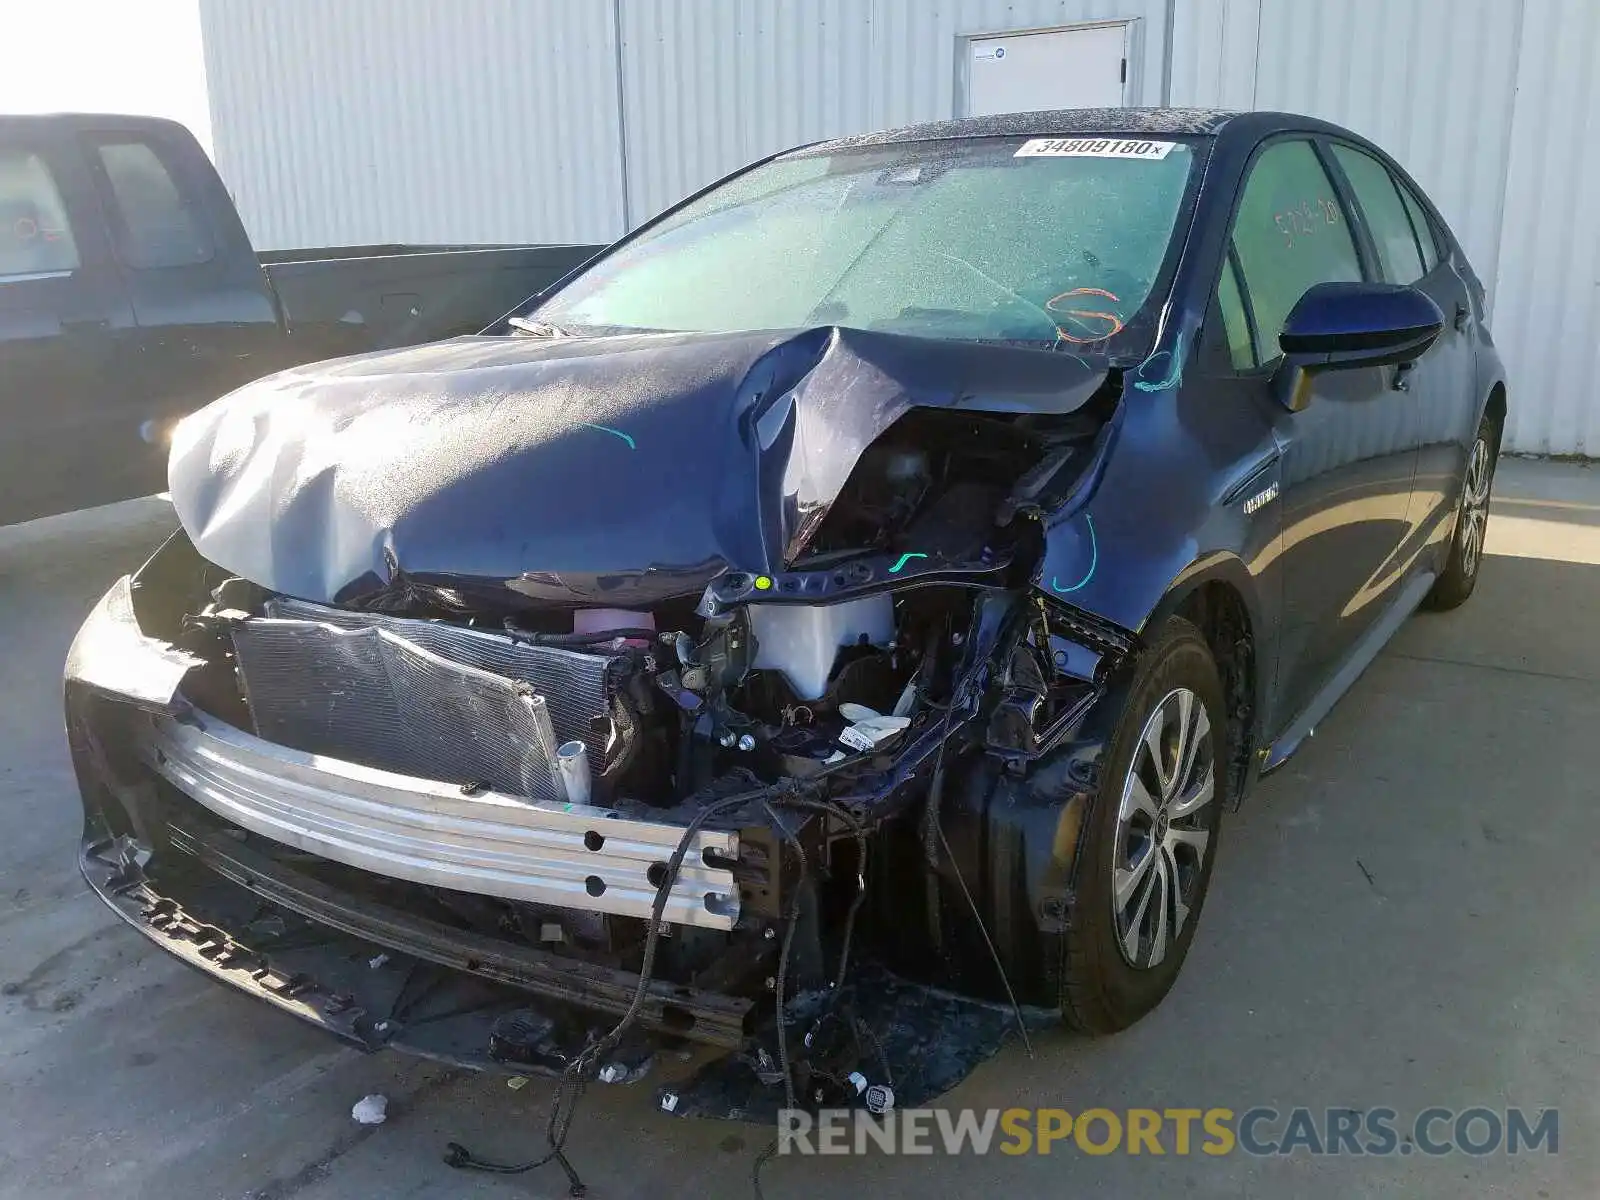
x,y
1055,244
155,224
35,238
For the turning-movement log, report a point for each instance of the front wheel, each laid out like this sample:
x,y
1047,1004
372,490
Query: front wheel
x,y
1152,840
1460,574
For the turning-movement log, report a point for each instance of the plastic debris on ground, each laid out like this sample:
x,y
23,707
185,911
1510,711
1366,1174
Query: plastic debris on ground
x,y
371,1110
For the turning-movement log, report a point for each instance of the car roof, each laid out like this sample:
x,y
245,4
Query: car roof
x,y
37,123
1077,122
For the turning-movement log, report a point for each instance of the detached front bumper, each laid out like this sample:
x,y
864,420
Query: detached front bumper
x,y
372,974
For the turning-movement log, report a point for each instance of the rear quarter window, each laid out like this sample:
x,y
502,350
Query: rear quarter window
x,y
156,224
1387,219
1424,227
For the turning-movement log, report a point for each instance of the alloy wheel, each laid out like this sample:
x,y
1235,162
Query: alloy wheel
x,y
1474,507
1163,829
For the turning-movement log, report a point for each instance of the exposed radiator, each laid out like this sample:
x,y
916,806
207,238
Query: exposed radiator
x,y
423,698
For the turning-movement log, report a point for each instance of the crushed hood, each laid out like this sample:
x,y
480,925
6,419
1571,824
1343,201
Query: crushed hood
x,y
615,470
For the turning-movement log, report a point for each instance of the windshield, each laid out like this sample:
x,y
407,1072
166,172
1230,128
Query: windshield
x,y
1049,240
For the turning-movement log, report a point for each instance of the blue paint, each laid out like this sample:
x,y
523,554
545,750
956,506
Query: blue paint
x,y
904,559
1174,369
1094,561
611,431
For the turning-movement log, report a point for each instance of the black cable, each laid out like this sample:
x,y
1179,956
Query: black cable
x,y
935,830
780,981
936,782
831,807
862,1028
834,808
657,910
573,1082
1016,1009
762,1160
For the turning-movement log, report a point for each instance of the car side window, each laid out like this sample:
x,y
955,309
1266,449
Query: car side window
x,y
156,225
1423,227
1235,319
1289,234
35,236
1387,219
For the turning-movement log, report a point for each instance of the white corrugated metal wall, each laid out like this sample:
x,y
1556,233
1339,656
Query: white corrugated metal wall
x,y
349,121
355,121
712,84
1547,311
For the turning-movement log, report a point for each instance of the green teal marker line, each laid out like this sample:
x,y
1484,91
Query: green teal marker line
x,y
904,559
1094,561
611,431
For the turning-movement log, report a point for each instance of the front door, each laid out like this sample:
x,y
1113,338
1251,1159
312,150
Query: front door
x,y
204,321
64,325
1348,456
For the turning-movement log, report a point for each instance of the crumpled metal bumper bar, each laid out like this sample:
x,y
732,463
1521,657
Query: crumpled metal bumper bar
x,y
431,832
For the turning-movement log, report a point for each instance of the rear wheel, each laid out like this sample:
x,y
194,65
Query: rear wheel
x,y
1152,840
1460,574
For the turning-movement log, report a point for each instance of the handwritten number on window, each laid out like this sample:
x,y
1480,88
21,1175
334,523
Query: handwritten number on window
x,y
1305,219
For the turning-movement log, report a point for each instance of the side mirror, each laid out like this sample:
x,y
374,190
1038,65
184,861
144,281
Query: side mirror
x,y
1341,326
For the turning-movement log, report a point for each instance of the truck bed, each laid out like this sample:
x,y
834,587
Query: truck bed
x,y
348,299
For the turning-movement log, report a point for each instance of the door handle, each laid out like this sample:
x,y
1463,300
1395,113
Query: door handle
x,y
1462,313
1402,377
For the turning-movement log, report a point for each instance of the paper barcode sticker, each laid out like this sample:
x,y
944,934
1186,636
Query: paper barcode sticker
x,y
1094,148
855,739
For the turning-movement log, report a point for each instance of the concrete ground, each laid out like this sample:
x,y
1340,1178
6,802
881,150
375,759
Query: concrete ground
x,y
1405,915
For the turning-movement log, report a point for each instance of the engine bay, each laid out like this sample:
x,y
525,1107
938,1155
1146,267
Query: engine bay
x,y
838,659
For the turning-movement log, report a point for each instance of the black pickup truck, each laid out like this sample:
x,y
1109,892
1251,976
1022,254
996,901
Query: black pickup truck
x,y
130,295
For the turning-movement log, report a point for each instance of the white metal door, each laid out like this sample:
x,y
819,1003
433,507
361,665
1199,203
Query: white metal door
x,y
1086,67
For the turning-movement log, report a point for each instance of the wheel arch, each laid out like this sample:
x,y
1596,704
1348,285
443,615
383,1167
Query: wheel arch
x,y
1219,596
1494,409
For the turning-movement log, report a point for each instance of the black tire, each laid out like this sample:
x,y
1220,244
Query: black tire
x,y
1103,990
1464,560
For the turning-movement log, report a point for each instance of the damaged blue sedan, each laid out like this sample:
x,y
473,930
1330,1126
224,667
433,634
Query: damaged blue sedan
x,y
830,628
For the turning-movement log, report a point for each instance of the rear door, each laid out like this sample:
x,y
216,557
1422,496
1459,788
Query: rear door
x,y
1439,385
64,325
1347,457
205,319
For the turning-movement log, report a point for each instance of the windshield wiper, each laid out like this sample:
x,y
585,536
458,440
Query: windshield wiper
x,y
539,328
